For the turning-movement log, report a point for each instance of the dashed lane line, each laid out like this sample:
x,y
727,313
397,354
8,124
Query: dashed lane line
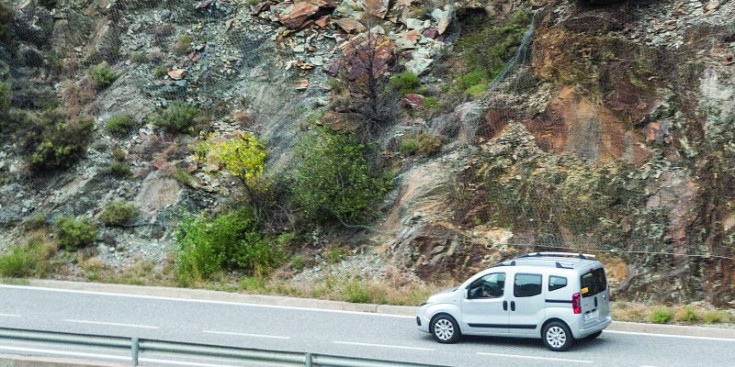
x,y
246,334
536,358
111,324
383,346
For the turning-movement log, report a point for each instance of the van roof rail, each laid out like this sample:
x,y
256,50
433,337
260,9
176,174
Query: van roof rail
x,y
561,254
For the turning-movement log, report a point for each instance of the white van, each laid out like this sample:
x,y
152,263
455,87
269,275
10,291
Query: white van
x,y
555,296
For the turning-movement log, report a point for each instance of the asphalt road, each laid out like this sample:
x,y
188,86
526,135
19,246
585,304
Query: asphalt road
x,y
344,333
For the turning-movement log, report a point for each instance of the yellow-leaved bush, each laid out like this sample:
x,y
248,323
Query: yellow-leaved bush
x,y
242,155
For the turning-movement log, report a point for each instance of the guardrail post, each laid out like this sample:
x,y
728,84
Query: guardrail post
x,y
135,348
308,359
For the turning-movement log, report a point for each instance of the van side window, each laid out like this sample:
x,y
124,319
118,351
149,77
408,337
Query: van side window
x,y
489,286
557,283
527,285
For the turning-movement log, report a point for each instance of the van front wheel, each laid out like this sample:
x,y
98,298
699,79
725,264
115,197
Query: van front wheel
x,y
557,336
445,329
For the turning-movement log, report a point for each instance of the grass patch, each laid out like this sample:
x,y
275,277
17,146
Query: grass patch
x,y
405,82
28,260
409,147
662,315
119,125
102,75
183,44
178,117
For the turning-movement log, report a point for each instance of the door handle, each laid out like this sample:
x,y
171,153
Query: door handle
x,y
512,305
505,305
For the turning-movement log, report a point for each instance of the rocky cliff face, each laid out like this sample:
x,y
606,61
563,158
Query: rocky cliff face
x,y
613,134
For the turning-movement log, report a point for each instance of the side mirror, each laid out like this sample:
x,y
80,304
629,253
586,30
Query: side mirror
x,y
466,293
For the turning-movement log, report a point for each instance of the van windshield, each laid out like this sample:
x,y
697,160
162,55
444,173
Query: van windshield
x,y
593,282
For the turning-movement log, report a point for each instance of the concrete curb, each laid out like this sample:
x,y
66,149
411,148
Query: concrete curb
x,y
209,295
9,360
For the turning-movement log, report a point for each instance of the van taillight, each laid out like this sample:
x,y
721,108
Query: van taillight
x,y
575,303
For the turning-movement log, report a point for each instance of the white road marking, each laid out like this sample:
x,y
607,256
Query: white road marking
x,y
64,353
531,357
8,315
383,346
645,365
177,363
670,336
191,300
111,324
245,334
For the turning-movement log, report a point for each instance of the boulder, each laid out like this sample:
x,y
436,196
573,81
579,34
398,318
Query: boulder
x,y
378,8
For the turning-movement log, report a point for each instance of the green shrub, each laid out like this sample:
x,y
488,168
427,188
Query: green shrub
x,y
72,233
431,103
178,117
488,45
102,75
687,314
120,170
139,58
183,44
54,143
297,262
29,260
714,317
358,292
6,18
662,315
160,71
405,82
429,144
472,79
334,179
476,91
119,154
117,213
409,147
208,246
4,98
119,125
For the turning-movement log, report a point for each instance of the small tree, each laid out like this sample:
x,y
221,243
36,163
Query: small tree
x,y
366,59
335,179
243,156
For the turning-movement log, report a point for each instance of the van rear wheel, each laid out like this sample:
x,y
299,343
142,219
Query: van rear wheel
x,y
557,337
445,329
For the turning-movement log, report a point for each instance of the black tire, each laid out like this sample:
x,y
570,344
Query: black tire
x,y
594,335
557,337
445,329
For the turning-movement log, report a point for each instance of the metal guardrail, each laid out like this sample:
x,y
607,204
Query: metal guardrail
x,y
138,346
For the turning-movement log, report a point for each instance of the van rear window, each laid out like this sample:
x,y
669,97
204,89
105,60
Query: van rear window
x,y
593,282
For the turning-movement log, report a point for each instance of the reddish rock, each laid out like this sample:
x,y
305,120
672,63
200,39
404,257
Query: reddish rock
x,y
323,21
378,8
333,68
412,100
177,73
431,32
263,6
339,121
349,25
297,14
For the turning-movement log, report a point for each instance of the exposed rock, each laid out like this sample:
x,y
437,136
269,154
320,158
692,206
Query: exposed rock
x,y
349,25
442,18
378,8
156,193
295,15
412,100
